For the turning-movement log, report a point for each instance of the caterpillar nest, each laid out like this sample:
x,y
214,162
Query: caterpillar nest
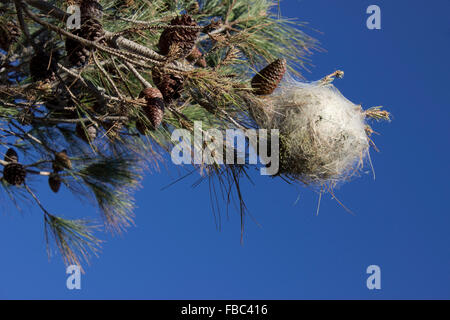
x,y
323,136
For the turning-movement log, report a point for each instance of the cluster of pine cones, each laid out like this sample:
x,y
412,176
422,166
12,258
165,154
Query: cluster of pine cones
x,y
43,64
177,41
60,162
91,29
15,173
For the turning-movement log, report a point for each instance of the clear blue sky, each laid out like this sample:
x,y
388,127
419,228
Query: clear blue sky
x,y
401,220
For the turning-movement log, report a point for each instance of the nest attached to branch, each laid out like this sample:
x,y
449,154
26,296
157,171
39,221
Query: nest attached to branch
x,y
323,135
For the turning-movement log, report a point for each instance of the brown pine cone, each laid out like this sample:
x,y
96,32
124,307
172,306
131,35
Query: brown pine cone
x,y
170,85
91,29
11,155
61,161
43,66
14,173
54,181
179,41
90,9
154,109
77,54
268,79
9,34
196,57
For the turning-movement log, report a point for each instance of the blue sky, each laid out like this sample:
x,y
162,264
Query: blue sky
x,y
401,220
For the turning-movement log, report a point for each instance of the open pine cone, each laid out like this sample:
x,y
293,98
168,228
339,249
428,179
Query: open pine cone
x,y
91,29
196,57
91,9
14,173
169,84
154,109
179,41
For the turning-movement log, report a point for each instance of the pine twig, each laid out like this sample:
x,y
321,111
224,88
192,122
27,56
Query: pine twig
x,y
144,82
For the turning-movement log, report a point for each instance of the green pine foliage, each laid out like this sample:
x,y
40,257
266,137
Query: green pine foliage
x,y
94,112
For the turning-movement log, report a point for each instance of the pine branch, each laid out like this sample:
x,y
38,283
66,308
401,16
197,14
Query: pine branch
x,y
90,109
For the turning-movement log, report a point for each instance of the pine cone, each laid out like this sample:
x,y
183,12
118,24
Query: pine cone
x,y
267,80
77,54
43,66
169,84
87,133
54,181
61,161
154,110
91,29
196,57
179,41
91,9
9,34
11,155
14,173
